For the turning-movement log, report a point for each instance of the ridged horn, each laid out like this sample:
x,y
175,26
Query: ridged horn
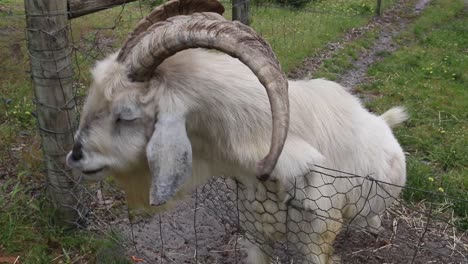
x,y
169,9
212,31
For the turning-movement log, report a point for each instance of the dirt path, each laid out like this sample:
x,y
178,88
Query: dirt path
x,y
389,25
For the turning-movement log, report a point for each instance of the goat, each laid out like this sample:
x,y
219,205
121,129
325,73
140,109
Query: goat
x,y
163,115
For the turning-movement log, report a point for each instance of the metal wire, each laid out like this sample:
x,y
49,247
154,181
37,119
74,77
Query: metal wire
x,y
223,211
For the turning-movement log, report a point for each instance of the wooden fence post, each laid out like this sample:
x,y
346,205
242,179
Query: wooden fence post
x,y
52,79
241,11
378,9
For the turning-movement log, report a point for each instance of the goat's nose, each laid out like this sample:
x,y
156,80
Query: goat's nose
x,y
77,152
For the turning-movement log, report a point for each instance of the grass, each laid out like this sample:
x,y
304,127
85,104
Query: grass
x,y
437,158
27,226
27,230
296,34
343,60
429,76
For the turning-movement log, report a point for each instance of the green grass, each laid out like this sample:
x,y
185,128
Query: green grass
x,y
27,230
333,67
429,76
296,34
437,158
27,226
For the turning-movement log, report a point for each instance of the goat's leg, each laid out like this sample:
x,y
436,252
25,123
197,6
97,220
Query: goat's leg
x,y
375,224
257,253
314,236
322,238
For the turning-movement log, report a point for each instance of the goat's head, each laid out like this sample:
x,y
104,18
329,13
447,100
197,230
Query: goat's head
x,y
124,122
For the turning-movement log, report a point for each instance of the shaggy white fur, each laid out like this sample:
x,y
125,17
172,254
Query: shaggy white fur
x,y
228,122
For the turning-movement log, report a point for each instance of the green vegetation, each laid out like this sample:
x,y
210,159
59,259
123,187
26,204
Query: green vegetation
x,y
285,3
27,230
342,61
297,34
27,227
428,75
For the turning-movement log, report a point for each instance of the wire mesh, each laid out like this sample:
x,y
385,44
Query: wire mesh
x,y
224,219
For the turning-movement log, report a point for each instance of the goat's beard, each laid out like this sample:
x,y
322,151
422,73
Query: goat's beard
x,y
136,185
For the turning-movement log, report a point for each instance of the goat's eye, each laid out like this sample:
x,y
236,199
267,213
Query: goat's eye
x,y
121,119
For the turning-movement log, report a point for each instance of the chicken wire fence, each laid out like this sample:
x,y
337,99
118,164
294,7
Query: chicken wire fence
x,y
210,227
214,224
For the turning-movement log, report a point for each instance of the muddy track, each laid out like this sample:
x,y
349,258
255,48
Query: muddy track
x,y
389,25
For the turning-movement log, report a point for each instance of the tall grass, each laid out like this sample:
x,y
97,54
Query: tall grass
x,y
429,76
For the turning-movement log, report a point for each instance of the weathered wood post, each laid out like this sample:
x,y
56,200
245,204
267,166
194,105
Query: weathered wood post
x,y
378,9
52,80
241,11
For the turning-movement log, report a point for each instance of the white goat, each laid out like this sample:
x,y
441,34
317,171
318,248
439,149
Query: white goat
x,y
163,118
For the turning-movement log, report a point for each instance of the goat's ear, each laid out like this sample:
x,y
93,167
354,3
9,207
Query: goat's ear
x,y
169,156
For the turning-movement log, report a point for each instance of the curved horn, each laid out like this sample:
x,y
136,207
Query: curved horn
x,y
163,12
211,31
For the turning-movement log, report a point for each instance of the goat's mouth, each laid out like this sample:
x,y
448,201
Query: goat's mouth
x,y
88,172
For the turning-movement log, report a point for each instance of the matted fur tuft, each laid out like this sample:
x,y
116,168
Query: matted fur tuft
x,y
395,116
110,77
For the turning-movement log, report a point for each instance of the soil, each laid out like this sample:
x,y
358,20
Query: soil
x,y
179,237
389,25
